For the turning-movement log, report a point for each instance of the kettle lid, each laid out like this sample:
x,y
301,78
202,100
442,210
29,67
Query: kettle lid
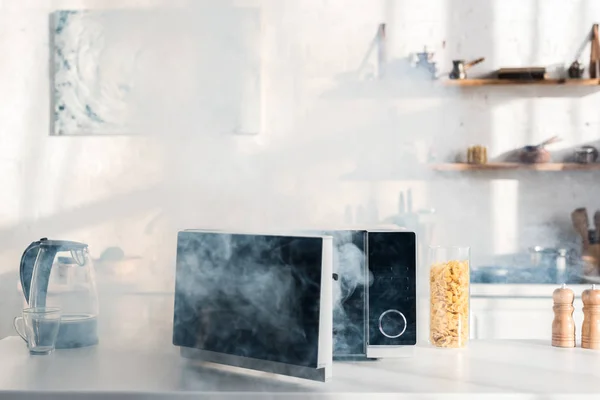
x,y
62,245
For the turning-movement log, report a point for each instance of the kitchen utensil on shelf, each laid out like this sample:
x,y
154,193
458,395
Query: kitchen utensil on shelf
x,y
40,329
586,154
58,273
590,329
460,67
458,70
563,325
424,60
579,217
381,51
576,70
592,236
590,246
591,258
522,73
473,63
538,154
449,291
595,53
401,204
597,225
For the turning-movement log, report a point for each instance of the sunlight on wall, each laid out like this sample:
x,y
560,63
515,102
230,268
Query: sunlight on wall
x,y
504,208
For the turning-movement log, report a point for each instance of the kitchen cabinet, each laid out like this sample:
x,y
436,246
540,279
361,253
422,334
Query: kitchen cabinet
x,y
524,314
515,318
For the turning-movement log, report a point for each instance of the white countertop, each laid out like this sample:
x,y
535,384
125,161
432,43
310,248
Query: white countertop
x,y
485,370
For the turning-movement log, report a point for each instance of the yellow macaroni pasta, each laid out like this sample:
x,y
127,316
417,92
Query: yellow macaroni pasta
x,y
449,320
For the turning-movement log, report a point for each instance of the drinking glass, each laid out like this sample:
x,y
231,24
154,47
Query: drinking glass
x,y
40,328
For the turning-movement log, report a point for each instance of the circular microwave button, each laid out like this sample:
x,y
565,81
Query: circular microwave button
x,y
392,324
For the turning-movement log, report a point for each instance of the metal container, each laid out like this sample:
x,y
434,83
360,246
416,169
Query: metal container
x,y
576,70
458,70
534,155
586,155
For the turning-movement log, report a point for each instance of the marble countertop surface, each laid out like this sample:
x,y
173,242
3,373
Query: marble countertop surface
x,y
495,369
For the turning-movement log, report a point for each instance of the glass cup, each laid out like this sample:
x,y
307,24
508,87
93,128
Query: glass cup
x,y
449,296
40,328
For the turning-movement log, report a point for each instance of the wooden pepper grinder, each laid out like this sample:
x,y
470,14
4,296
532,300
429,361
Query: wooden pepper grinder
x,y
590,330
563,326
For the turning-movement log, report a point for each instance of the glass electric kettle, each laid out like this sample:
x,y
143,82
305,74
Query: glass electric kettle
x,y
58,273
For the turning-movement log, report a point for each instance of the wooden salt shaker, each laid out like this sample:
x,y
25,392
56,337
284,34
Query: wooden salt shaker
x,y
563,326
590,330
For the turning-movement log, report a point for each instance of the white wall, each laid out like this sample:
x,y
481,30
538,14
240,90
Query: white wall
x,y
110,190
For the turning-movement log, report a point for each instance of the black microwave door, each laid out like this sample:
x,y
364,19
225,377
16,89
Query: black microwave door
x,y
392,258
253,296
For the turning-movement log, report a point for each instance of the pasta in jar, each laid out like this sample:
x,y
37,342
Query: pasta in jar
x,y
449,290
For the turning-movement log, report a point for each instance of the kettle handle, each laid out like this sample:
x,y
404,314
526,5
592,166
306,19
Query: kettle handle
x,y
27,264
29,260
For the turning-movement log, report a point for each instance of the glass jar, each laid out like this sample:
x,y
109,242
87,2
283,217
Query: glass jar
x,y
449,296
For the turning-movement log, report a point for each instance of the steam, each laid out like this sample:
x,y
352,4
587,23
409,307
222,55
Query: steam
x,y
244,295
260,293
349,260
284,178
319,122
230,286
349,263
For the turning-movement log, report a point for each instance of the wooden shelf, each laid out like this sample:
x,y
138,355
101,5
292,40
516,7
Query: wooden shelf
x,y
506,82
516,166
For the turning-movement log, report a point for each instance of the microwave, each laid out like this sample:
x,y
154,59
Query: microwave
x,y
290,304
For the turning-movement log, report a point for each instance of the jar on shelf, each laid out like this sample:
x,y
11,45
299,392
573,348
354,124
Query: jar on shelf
x,y
449,296
477,155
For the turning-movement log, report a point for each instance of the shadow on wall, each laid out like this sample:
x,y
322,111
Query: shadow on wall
x,y
120,206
